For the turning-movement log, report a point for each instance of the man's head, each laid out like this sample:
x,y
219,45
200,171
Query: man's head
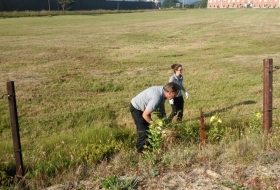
x,y
171,90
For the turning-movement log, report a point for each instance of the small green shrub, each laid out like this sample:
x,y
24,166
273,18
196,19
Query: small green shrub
x,y
47,168
255,125
113,182
188,132
5,180
155,135
215,131
94,153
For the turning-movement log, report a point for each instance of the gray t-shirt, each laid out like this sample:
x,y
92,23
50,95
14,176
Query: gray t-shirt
x,y
151,99
179,81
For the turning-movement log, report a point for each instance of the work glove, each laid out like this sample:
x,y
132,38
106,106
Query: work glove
x,y
171,101
187,94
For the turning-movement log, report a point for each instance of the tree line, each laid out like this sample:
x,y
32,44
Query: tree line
x,y
172,3
165,4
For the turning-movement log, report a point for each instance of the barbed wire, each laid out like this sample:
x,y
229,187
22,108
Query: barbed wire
x,y
229,116
208,113
276,68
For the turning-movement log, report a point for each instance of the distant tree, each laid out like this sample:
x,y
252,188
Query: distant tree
x,y
204,4
201,4
169,3
190,6
65,3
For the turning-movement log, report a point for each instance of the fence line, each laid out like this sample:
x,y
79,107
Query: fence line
x,y
209,113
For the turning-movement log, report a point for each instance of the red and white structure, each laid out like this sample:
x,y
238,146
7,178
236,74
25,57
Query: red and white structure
x,y
243,4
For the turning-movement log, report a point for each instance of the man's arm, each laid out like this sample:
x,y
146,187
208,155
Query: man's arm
x,y
147,116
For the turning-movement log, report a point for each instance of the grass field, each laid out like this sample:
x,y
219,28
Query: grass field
x,y
76,74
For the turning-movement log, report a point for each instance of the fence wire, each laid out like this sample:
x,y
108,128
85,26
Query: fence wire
x,y
207,112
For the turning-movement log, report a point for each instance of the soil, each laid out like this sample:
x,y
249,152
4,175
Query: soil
x,y
222,176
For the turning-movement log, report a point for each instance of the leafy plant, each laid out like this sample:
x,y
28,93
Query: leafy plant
x,y
215,130
94,153
155,135
255,124
188,132
161,135
113,182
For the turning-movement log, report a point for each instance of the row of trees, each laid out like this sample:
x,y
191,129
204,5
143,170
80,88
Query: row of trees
x,y
165,4
172,3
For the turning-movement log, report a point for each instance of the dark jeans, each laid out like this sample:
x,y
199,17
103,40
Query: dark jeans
x,y
142,126
177,108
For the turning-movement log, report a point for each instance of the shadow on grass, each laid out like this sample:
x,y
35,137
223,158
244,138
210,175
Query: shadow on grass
x,y
211,113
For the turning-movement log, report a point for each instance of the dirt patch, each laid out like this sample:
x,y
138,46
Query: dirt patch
x,y
197,177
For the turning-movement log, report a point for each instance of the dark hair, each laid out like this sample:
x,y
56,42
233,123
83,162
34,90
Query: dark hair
x,y
172,87
175,67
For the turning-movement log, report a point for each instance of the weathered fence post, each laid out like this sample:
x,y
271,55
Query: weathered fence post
x,y
15,131
202,129
267,94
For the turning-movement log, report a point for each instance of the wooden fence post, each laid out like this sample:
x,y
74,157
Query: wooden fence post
x,y
15,131
267,94
202,129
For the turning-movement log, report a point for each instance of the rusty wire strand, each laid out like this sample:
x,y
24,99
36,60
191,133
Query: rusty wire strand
x,y
239,116
269,110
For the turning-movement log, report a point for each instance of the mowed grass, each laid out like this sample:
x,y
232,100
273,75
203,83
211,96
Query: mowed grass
x,y
76,74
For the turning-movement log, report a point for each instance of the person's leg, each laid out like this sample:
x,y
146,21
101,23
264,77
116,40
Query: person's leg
x,y
180,108
174,109
142,126
180,115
